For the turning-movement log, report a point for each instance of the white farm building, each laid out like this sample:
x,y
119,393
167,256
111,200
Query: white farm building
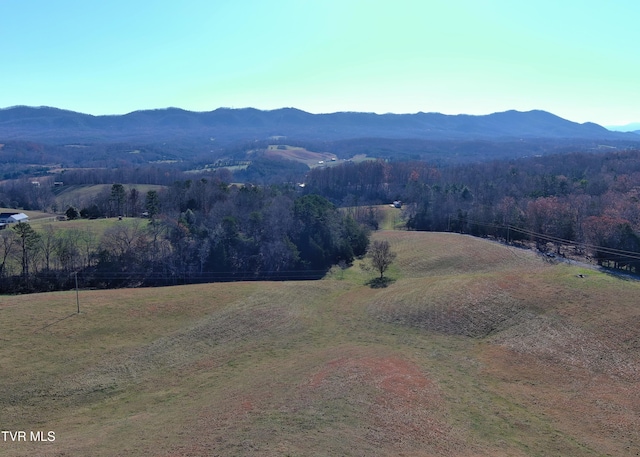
x,y
10,218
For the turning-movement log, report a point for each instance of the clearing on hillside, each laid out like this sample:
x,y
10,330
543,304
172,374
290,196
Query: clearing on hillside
x,y
83,195
310,158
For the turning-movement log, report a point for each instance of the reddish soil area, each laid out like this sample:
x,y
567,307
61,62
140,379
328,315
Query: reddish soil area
x,y
405,411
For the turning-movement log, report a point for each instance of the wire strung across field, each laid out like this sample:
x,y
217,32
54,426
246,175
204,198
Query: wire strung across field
x,y
184,277
615,253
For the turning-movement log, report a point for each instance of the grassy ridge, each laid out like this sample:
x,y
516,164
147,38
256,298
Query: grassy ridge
x,y
474,349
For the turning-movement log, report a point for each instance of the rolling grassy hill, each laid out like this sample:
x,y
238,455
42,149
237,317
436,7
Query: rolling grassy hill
x,y
475,349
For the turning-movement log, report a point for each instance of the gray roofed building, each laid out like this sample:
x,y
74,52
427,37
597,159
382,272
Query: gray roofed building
x,y
10,218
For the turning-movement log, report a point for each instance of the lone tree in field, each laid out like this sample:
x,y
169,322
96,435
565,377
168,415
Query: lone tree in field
x,y
381,256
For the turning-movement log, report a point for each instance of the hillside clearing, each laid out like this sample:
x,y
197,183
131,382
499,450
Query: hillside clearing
x,y
83,195
476,349
297,153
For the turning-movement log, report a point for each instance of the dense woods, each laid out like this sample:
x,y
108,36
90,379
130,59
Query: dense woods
x,y
200,228
198,231
590,202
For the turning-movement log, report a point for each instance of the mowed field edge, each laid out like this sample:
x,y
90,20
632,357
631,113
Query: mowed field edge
x,y
474,348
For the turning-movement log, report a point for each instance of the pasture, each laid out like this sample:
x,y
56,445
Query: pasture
x,y
97,227
83,195
298,154
474,349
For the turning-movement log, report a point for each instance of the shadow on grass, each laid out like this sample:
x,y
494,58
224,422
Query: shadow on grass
x,y
379,283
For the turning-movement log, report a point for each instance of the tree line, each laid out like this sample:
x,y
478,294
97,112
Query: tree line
x,y
590,201
196,231
205,229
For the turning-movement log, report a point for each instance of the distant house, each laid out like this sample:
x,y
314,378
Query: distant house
x,y
10,218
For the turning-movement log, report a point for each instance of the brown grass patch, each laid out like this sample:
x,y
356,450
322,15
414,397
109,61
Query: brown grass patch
x,y
600,411
299,155
469,306
404,405
423,254
562,342
361,403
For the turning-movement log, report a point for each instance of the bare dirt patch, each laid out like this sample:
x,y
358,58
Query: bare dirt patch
x,y
403,409
356,401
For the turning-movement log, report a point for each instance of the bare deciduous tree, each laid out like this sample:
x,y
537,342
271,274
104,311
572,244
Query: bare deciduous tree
x,y
381,256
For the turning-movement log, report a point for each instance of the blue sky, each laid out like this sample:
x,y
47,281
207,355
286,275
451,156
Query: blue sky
x,y
576,59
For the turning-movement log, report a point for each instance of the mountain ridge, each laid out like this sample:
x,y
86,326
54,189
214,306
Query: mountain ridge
x,y
227,125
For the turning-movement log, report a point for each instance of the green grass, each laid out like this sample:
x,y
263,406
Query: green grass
x,y
82,195
95,226
334,367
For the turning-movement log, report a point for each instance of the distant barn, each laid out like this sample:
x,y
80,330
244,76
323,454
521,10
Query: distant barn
x,y
11,218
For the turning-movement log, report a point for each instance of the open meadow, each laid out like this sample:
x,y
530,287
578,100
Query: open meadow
x,y
84,195
473,349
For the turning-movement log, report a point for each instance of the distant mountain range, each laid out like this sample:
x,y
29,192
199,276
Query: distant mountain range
x,y
226,126
633,127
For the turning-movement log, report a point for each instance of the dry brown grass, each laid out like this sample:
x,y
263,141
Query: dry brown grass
x,y
298,154
437,254
475,350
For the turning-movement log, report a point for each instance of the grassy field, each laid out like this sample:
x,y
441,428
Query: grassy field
x,y
299,154
80,196
474,349
310,158
95,226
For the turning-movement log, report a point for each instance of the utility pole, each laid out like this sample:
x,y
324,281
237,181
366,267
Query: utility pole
x,y
77,294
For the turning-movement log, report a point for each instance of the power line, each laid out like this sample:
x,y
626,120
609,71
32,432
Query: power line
x,y
601,249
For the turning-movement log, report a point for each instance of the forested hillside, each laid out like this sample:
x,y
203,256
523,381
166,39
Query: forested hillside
x,y
58,126
180,227
36,141
587,201
194,232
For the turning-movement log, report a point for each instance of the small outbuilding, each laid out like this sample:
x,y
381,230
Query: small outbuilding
x,y
11,218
